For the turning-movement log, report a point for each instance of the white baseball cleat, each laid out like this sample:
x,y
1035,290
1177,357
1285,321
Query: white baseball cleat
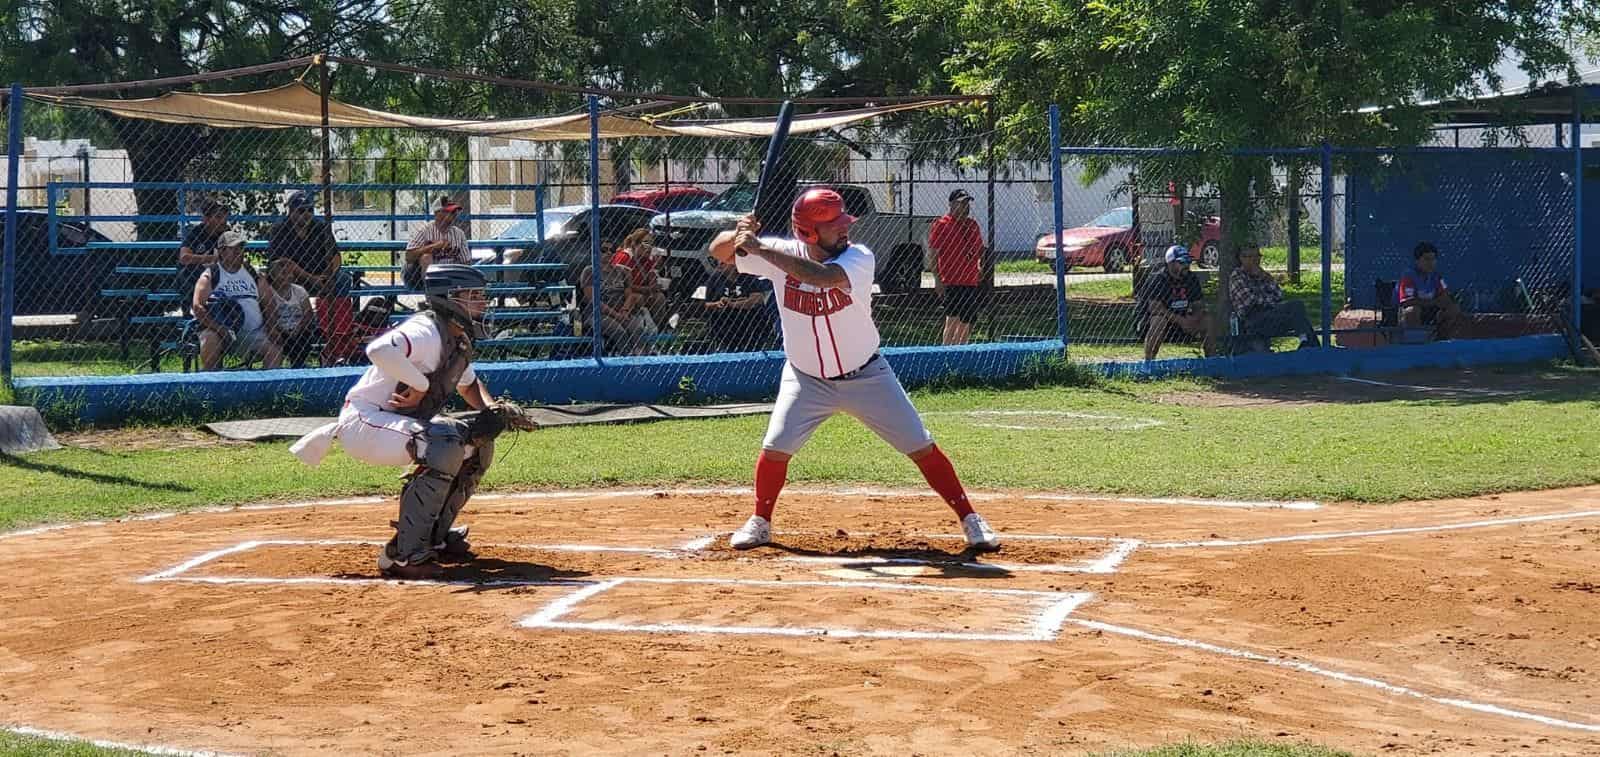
x,y
754,533
979,535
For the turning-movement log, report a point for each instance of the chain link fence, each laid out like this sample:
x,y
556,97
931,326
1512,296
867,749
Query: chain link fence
x,y
597,250
1330,245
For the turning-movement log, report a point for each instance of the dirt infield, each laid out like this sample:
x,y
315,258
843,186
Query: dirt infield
x,y
610,622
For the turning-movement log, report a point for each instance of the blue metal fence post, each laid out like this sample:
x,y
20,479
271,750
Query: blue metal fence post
x,y
538,216
8,259
1577,209
1327,244
51,194
594,225
1056,195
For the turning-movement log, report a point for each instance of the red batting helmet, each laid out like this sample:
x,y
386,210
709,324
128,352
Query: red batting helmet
x,y
817,207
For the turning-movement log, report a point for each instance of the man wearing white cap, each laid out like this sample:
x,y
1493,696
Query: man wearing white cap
x,y
229,300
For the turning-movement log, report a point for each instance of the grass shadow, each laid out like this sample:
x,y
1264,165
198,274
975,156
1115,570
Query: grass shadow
x,y
99,478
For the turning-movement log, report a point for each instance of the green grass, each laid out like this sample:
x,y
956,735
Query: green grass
x,y
13,745
1339,451
17,745
1232,749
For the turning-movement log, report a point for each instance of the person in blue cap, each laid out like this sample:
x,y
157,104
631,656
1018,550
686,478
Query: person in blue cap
x,y
1172,306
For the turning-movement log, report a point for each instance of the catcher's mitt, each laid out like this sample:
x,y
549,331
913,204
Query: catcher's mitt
x,y
514,416
484,425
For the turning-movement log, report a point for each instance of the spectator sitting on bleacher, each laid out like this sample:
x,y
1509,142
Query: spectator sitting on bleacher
x,y
438,242
739,310
295,329
625,325
199,248
1171,306
233,303
313,259
638,256
1259,303
1424,298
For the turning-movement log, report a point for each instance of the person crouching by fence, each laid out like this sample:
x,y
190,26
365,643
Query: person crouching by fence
x,y
295,328
233,304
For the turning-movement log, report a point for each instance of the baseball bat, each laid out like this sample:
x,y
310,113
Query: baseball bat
x,y
769,164
1579,344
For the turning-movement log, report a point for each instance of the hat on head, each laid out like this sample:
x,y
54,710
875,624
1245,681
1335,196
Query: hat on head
x,y
231,239
443,204
302,199
213,207
1178,254
960,195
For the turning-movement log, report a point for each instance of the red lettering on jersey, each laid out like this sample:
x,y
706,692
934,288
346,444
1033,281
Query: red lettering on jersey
x,y
825,302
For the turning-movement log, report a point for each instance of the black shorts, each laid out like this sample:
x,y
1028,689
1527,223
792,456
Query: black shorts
x,y
962,303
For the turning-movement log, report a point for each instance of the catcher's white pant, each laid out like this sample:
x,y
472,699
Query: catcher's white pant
x,y
374,435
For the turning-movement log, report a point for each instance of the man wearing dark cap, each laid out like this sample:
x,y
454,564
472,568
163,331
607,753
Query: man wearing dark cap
x,y
957,246
313,262
199,248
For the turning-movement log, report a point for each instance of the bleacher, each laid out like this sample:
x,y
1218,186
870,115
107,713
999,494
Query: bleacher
x,y
169,331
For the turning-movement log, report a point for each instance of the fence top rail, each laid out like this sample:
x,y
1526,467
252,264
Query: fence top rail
x,y
1307,151
261,244
261,186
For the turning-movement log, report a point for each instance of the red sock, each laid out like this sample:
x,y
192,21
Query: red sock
x,y
770,476
941,475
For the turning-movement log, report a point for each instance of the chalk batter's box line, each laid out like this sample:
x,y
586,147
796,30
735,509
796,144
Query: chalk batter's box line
x,y
176,572
1050,612
1107,563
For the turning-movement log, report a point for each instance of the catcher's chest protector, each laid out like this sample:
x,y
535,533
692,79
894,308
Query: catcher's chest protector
x,y
455,354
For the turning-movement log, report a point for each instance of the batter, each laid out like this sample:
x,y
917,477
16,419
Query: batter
x,y
824,290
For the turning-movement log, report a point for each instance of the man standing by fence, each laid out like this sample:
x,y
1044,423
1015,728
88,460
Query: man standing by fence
x,y
957,246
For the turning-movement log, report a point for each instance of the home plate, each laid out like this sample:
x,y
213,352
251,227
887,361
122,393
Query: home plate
x,y
880,571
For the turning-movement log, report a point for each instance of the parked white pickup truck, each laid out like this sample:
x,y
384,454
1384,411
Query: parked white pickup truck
x,y
896,239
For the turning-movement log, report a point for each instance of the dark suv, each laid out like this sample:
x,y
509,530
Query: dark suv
x,y
63,283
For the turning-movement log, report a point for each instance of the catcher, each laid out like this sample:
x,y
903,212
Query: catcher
x,y
393,417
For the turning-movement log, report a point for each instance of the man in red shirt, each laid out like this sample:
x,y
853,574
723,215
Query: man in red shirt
x,y
957,260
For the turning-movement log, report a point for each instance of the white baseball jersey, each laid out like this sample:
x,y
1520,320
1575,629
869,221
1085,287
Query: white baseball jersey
x,y
827,332
420,341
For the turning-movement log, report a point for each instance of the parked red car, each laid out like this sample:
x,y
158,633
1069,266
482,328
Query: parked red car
x,y
1111,242
669,200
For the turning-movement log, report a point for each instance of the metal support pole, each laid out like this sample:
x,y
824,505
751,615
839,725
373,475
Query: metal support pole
x,y
88,191
1327,244
594,226
538,215
8,260
1577,210
988,270
1057,192
327,148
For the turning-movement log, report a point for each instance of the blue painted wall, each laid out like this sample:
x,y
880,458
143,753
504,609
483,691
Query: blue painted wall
x,y
109,400
1495,215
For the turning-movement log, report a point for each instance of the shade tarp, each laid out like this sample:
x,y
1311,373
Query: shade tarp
x,y
297,105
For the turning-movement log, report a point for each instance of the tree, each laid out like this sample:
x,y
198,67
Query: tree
x,y
92,41
1213,75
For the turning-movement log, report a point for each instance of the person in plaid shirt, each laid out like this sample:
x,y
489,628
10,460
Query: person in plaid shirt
x,y
1258,301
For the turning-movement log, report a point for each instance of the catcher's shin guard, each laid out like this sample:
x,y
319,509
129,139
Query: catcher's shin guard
x,y
439,451
462,489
